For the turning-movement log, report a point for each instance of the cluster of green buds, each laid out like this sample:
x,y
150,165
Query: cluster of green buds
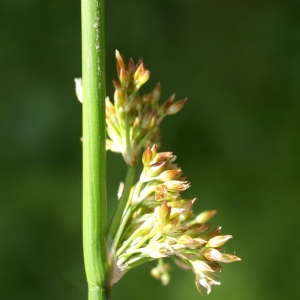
x,y
133,120
157,223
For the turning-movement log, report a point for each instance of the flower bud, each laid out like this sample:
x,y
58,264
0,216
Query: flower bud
x,y
200,266
197,229
161,272
229,258
120,62
131,66
187,210
147,118
155,169
218,241
164,107
164,212
162,156
169,175
117,85
176,107
171,226
124,78
213,254
214,233
119,98
176,185
161,192
149,155
155,94
188,242
205,216
140,76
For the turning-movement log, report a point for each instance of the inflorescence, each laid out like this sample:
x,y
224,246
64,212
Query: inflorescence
x,y
156,223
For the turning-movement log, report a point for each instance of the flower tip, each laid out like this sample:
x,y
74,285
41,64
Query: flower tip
x,y
176,107
205,216
218,241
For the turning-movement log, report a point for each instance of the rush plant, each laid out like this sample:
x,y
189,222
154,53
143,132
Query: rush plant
x,y
152,220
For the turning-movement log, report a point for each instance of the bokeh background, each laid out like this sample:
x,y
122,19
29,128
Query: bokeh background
x,y
237,139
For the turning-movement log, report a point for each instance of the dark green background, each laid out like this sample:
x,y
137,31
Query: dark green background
x,y
237,139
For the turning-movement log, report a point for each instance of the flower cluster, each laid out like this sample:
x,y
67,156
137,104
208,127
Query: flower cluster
x,y
158,223
133,120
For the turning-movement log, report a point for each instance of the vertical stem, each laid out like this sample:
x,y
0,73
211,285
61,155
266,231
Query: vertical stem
x,y
94,155
116,219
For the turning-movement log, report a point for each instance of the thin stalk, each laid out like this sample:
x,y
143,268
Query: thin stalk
x,y
122,225
94,155
116,219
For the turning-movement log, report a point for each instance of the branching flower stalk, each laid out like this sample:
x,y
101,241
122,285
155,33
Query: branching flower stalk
x,y
152,220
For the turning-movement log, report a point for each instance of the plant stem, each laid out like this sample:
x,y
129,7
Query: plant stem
x,y
116,219
94,153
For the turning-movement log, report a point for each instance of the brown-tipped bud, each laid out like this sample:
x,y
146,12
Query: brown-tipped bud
x,y
120,62
139,71
189,242
214,233
154,151
147,118
155,169
119,98
140,61
186,240
124,78
164,107
164,212
200,266
213,254
229,258
117,85
187,210
176,107
200,241
169,175
197,229
218,241
78,89
149,155
156,94
131,66
161,192
146,100
205,216
176,185
146,158
140,76
171,226
162,156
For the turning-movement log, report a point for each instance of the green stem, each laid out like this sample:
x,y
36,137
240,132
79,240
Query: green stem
x,y
94,155
116,219
127,131
137,262
122,225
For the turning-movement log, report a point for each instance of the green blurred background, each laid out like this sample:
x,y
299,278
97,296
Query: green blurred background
x,y
237,139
